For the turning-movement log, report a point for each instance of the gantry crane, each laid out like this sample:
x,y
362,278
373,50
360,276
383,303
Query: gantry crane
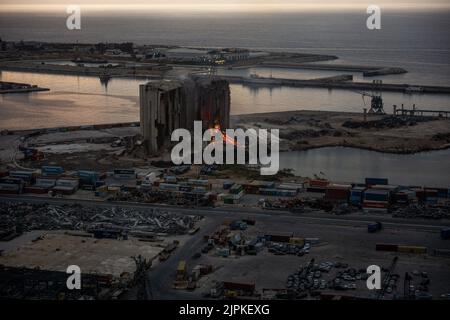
x,y
376,102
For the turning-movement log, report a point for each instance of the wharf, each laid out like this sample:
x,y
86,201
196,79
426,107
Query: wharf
x,y
14,87
349,85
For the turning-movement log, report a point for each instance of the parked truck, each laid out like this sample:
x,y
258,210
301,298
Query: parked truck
x,y
374,227
445,233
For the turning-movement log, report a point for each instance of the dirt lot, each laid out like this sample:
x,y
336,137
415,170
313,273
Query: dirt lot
x,y
56,251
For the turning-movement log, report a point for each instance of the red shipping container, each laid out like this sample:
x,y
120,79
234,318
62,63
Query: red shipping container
x,y
319,183
248,287
337,193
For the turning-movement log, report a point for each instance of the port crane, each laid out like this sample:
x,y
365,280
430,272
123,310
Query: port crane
x,y
140,279
376,102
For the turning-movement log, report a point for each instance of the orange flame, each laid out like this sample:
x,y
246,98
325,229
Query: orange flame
x,y
225,138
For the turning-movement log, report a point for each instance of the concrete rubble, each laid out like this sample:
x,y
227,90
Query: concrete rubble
x,y
417,211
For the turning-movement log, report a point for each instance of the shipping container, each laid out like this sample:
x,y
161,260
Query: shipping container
x,y
298,187
26,176
246,287
185,188
277,192
66,186
35,190
170,179
297,241
376,181
445,233
356,196
277,237
45,183
337,193
404,197
198,182
318,183
378,206
88,177
254,186
438,192
181,269
316,189
124,174
11,185
386,247
227,185
67,182
51,171
10,188
169,186
412,249
236,189
376,195
229,200
223,252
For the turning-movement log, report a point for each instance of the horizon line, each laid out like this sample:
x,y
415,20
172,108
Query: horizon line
x,y
216,8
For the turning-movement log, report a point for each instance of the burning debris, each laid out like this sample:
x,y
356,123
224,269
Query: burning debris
x,y
22,217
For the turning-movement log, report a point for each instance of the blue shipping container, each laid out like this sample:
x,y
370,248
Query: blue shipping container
x,y
49,170
374,181
376,195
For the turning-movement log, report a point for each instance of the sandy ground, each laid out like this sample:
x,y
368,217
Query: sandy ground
x,y
301,130
56,251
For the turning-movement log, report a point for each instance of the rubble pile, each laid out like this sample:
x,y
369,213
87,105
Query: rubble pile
x,y
385,122
26,217
147,197
163,197
418,211
442,137
288,248
300,205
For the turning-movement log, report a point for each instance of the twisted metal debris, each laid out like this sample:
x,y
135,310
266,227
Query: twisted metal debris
x,y
26,217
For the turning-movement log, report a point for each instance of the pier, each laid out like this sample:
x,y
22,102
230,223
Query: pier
x,y
347,85
14,87
420,112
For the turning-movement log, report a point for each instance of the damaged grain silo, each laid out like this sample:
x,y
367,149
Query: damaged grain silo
x,y
170,104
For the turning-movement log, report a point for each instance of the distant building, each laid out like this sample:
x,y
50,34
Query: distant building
x,y
235,54
168,105
186,54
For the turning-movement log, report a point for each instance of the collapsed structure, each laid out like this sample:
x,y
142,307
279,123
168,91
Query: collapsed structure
x,y
171,104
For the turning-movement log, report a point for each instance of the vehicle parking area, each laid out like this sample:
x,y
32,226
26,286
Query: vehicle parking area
x,y
334,262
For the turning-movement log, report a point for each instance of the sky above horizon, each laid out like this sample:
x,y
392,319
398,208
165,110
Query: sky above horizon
x,y
220,5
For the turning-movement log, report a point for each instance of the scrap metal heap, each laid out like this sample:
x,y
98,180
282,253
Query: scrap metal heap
x,y
22,217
